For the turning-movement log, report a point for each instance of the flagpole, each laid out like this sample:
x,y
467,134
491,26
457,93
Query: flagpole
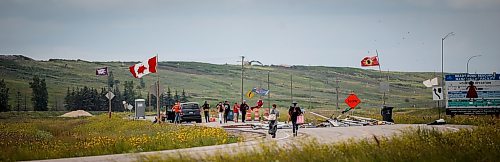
x,y
381,76
268,91
157,91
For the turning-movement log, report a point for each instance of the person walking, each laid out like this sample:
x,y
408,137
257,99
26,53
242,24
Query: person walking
x,y
227,109
243,108
221,111
273,121
294,112
206,110
236,111
177,110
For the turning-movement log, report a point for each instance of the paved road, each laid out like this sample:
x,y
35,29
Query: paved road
x,y
284,138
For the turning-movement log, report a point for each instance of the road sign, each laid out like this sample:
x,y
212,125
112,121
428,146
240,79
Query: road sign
x,y
352,100
384,86
472,94
250,94
437,93
110,95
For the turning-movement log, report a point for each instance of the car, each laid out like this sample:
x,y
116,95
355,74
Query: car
x,y
190,111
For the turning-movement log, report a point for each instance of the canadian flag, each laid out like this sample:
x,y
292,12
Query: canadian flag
x,y
143,68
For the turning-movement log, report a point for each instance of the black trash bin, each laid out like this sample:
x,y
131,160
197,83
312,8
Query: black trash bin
x,y
386,113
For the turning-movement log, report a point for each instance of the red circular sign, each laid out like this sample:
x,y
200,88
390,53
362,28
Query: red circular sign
x,y
352,101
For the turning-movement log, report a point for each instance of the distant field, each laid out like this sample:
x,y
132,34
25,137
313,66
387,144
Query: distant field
x,y
43,135
313,86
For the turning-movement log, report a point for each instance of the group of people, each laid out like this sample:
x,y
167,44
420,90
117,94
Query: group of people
x,y
224,109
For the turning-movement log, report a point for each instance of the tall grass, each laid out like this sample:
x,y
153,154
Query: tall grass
x,y
480,144
54,137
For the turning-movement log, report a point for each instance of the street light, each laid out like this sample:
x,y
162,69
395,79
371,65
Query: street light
x,y
467,75
442,67
442,53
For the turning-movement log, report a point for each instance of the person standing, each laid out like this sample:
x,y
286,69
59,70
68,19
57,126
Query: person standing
x,y
243,108
236,111
227,109
294,112
221,111
177,110
273,121
206,110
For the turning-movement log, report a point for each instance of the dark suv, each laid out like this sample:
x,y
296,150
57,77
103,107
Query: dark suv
x,y
190,112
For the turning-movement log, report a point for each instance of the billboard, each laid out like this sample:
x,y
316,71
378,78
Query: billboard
x,y
472,94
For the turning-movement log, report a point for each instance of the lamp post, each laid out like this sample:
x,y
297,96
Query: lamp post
x,y
467,75
442,66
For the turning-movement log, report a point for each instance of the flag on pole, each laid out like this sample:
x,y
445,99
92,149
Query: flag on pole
x,y
101,71
143,68
260,91
370,61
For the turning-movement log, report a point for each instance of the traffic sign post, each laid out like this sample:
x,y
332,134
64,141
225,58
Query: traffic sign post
x,y
110,96
437,93
352,100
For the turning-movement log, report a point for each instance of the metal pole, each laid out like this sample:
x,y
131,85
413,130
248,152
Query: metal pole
x,y
381,76
442,70
467,75
337,89
242,67
310,93
291,87
158,93
269,91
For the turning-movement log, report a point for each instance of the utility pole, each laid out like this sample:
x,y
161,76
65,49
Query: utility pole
x,y
269,91
291,88
242,68
337,90
310,93
442,69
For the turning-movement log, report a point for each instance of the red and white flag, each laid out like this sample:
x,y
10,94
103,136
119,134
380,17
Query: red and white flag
x,y
145,67
370,61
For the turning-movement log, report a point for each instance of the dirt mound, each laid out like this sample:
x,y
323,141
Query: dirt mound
x,y
76,113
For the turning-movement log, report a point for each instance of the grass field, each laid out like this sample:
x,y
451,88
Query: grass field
x,y
42,135
313,86
479,144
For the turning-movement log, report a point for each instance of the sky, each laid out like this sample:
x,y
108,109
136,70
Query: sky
x,y
406,33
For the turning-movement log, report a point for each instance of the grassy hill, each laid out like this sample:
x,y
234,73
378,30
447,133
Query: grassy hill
x,y
203,81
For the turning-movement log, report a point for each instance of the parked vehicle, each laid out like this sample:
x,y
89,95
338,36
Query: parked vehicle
x,y
190,111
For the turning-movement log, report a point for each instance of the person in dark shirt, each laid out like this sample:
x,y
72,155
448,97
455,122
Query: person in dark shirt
x,y
294,112
243,108
206,110
227,108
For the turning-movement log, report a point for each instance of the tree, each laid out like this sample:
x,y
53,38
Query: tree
x,y
116,102
128,92
4,96
176,96
183,96
40,95
18,100
142,83
168,100
111,80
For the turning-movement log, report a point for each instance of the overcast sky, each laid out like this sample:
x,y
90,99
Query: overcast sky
x,y
407,34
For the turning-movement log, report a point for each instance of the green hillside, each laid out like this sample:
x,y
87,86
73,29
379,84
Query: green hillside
x,y
203,81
